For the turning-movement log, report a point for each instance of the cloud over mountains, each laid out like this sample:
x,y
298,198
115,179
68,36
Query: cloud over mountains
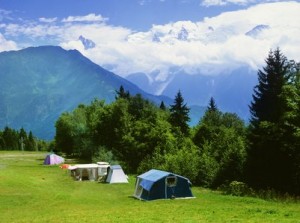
x,y
208,47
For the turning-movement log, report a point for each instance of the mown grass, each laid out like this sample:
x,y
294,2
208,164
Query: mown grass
x,y
32,192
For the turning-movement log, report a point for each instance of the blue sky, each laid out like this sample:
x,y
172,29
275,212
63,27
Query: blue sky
x,y
134,14
154,36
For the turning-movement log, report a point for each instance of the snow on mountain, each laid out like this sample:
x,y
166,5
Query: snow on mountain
x,y
156,38
232,90
87,43
257,30
183,34
193,32
198,33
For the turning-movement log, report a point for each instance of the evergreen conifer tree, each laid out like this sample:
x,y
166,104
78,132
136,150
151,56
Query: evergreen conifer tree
x,y
121,93
267,161
179,116
212,105
162,106
266,104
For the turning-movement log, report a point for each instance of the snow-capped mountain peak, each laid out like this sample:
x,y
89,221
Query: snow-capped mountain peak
x,y
87,43
257,30
183,34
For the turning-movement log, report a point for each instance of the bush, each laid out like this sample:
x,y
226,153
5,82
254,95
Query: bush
x,y
103,154
237,188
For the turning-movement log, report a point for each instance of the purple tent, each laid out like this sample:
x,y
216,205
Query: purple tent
x,y
52,159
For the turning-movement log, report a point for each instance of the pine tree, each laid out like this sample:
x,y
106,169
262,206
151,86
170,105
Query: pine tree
x,y
212,105
122,93
290,128
162,106
179,116
10,138
30,142
266,104
266,160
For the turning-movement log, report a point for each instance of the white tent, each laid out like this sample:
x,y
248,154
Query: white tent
x,y
116,175
91,171
102,168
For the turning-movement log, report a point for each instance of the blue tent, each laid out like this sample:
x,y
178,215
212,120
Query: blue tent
x,y
157,184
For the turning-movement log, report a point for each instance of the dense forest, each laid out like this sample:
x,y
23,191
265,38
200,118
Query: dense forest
x,y
219,150
11,139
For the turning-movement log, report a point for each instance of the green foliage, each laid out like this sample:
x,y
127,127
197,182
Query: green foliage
x,y
72,130
177,156
221,139
237,188
11,139
273,154
142,132
179,116
208,167
212,105
130,128
162,106
266,104
122,93
103,154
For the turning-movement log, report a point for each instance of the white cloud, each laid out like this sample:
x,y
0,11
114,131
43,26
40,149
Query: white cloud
x,y
210,46
213,45
6,45
225,2
209,3
213,2
4,14
32,30
88,18
48,20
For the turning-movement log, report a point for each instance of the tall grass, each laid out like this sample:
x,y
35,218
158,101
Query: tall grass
x,y
32,192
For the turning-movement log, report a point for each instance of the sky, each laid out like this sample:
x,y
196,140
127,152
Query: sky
x,y
156,36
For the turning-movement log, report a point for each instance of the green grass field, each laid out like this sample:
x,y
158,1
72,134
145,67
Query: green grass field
x,y
31,192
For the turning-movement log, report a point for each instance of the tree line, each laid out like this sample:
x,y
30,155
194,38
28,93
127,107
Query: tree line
x,y
11,139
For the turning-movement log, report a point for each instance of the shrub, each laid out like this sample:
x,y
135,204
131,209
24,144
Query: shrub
x,y
103,154
237,188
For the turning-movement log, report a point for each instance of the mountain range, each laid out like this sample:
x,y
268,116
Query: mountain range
x,y
38,84
232,90
187,31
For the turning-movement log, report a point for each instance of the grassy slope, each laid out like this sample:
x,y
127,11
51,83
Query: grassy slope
x,y
31,192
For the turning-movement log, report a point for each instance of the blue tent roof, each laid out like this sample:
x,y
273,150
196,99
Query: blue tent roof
x,y
154,175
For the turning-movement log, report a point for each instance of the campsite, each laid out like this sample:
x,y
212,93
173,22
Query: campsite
x,y
33,192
